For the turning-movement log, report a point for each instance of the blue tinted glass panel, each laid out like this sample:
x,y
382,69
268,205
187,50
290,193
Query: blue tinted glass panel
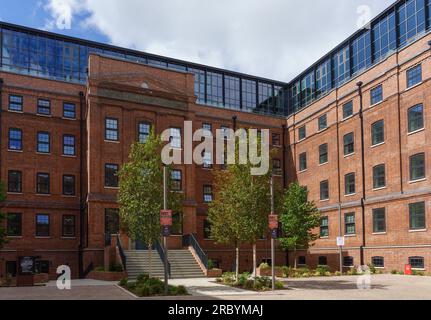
x,y
248,94
278,100
307,89
214,88
295,94
232,92
265,97
341,63
411,20
323,78
199,84
414,76
361,52
385,37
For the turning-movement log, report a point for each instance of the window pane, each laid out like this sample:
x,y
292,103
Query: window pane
x,y
15,181
111,177
323,122
43,142
323,153
69,185
143,132
69,145
43,183
111,129
414,76
350,187
348,110
378,132
68,226
302,133
417,167
14,224
376,95
349,144
417,216
416,118
112,221
324,190
379,176
15,139
15,103
44,107
69,110
379,220
302,162
42,225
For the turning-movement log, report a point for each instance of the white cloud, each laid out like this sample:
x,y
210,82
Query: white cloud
x,y
273,38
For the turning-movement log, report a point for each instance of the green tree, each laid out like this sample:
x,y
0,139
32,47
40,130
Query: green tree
x,y
299,219
2,229
141,192
239,212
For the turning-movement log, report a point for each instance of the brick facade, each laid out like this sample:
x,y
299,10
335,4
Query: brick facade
x,y
133,93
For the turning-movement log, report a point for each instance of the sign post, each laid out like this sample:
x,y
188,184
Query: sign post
x,y
340,244
166,223
273,225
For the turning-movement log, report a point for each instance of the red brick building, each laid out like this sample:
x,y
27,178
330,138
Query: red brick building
x,y
354,128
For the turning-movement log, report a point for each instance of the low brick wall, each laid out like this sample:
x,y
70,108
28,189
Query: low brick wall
x,y
214,273
268,272
41,278
107,276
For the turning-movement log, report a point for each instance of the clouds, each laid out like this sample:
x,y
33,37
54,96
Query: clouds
x,y
276,39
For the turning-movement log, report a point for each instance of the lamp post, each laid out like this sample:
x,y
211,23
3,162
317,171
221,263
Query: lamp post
x,y
272,234
165,235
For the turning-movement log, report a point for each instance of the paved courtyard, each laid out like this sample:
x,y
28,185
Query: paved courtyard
x,y
382,287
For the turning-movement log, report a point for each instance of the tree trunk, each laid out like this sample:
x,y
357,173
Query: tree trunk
x,y
254,260
150,253
294,258
237,263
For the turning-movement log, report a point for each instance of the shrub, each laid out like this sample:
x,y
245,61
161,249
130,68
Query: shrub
x,y
401,273
279,285
373,269
338,274
131,285
249,285
144,291
143,277
322,270
99,269
264,266
418,273
123,282
288,272
181,290
228,278
352,272
266,282
210,264
394,272
115,267
242,279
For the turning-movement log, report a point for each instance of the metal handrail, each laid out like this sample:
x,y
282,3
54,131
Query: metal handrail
x,y
161,251
122,254
190,240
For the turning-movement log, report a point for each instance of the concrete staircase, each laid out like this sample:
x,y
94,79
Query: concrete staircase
x,y
183,264
138,262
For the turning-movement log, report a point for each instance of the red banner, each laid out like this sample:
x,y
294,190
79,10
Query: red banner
x,y
166,217
273,221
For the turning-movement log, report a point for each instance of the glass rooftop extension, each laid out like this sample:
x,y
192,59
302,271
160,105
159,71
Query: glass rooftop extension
x,y
58,57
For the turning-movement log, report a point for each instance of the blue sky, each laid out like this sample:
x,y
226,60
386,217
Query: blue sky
x,y
276,39
34,14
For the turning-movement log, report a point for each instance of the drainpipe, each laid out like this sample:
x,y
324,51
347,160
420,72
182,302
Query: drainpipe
x,y
340,219
284,158
81,187
361,116
234,120
1,111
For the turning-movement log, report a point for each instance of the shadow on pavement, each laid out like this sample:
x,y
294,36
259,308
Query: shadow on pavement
x,y
329,285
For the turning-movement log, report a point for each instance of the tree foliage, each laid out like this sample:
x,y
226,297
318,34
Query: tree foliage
x,y
239,213
299,219
141,191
